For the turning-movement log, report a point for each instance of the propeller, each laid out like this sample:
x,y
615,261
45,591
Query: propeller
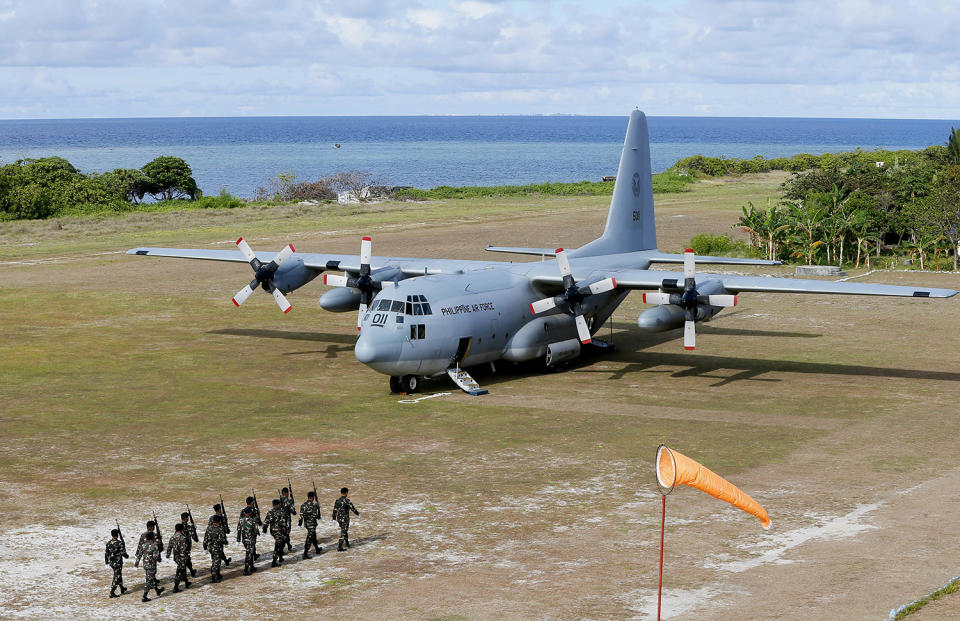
x,y
363,282
572,296
689,299
263,274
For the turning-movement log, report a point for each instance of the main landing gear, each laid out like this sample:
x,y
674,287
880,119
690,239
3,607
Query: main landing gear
x,y
407,384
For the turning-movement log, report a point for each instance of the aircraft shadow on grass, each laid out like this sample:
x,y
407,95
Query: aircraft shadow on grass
x,y
332,350
235,571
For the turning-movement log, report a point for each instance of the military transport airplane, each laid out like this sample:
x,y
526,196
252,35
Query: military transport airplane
x,y
428,317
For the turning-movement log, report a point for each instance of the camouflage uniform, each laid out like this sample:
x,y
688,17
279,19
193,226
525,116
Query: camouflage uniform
x,y
226,531
247,532
309,514
287,506
278,531
150,554
156,542
190,535
179,546
213,542
113,556
341,513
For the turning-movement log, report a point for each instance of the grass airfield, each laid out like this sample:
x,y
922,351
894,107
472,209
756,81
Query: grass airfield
x,y
132,384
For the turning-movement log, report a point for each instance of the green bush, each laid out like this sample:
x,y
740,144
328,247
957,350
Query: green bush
x,y
721,246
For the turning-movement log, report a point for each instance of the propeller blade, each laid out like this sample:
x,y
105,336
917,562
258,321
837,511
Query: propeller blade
x,y
583,331
656,298
281,300
722,300
366,248
689,335
283,255
607,284
246,251
689,264
360,313
244,293
564,263
542,306
334,280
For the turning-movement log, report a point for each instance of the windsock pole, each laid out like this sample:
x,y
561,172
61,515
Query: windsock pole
x,y
663,522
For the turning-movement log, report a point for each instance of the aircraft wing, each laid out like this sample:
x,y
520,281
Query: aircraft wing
x,y
653,279
410,266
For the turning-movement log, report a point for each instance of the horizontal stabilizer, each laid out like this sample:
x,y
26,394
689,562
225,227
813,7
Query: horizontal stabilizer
x,y
539,252
665,257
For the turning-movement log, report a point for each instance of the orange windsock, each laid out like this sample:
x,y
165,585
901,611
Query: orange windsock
x,y
674,467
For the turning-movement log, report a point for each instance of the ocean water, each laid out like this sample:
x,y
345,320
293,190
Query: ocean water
x,y
242,153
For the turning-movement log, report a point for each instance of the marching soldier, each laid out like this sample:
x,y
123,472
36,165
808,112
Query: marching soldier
x,y
151,525
179,546
247,533
150,555
113,556
274,522
309,514
341,513
286,503
218,510
255,513
213,542
190,535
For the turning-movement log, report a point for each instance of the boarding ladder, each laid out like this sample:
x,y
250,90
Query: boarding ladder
x,y
466,383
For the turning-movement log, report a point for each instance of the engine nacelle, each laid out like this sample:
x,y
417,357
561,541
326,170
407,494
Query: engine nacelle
x,y
340,300
293,274
562,351
670,316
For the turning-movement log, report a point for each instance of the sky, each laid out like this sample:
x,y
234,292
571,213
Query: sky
x,y
794,58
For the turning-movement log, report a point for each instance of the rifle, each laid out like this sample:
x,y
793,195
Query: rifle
x,y
316,499
120,532
223,512
290,487
193,526
159,536
256,507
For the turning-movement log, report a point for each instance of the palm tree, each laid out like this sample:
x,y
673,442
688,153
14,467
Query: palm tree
x,y
807,217
953,145
765,227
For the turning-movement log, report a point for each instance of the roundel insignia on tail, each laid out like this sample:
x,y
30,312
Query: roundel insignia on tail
x,y
636,185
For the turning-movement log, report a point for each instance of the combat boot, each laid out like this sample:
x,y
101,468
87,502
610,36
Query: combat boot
x,y
160,590
273,563
123,589
317,549
305,555
246,572
113,592
186,584
145,598
176,587
226,562
346,540
193,572
219,577
340,547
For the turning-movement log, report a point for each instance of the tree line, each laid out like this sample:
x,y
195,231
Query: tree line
x,y
34,188
851,206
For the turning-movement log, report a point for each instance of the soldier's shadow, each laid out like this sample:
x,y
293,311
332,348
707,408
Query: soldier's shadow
x,y
201,562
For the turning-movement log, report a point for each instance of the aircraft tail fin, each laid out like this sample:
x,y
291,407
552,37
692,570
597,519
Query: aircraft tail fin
x,y
630,221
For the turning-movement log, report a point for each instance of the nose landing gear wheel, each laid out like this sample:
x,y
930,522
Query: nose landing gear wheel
x,y
408,384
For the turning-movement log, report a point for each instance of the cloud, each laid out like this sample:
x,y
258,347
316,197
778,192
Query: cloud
x,y
734,57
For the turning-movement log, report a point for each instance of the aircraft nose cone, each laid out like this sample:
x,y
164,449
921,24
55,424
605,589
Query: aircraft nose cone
x,y
375,346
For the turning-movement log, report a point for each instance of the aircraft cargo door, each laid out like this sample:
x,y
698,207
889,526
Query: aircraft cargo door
x,y
462,348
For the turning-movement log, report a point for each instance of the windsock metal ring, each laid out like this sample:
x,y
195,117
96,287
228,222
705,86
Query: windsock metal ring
x,y
667,475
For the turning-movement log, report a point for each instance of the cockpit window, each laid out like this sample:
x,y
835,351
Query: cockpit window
x,y
397,306
417,305
384,305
